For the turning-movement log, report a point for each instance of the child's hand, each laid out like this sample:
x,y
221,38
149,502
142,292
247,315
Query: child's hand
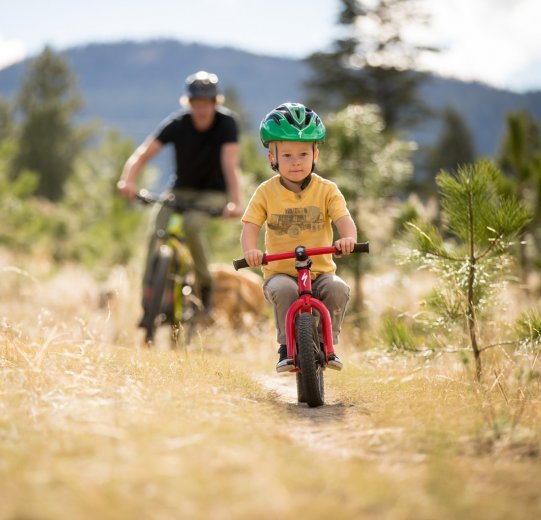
x,y
345,245
254,257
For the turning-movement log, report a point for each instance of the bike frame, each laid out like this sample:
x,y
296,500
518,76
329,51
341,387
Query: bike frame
x,y
306,302
181,266
310,361
171,241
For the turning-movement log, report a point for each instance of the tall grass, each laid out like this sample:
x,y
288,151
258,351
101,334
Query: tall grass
x,y
94,426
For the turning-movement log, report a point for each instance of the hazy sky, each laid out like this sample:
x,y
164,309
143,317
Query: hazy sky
x,y
495,41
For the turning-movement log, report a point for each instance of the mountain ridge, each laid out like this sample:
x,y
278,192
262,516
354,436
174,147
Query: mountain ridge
x,y
132,86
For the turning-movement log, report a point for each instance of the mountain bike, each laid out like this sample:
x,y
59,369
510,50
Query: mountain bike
x,y
169,295
309,351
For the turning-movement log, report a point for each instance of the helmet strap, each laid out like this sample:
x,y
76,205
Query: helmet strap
x,y
306,181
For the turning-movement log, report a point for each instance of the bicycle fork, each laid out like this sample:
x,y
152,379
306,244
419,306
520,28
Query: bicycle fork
x,y
305,304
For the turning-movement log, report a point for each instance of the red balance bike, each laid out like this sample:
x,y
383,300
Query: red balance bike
x,y
308,351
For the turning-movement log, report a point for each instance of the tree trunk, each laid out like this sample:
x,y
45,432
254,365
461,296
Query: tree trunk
x,y
472,322
470,312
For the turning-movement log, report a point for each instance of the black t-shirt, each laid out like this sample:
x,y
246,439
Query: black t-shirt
x,y
197,153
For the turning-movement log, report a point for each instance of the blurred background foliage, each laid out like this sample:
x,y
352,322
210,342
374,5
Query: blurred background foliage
x,y
57,178
57,173
58,202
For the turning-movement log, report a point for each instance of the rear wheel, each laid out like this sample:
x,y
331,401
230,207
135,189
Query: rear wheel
x,y
309,358
154,315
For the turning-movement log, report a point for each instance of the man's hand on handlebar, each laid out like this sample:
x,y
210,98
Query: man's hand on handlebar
x,y
127,189
254,257
345,246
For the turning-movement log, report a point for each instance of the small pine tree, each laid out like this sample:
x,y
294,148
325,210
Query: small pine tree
x,y
482,222
49,141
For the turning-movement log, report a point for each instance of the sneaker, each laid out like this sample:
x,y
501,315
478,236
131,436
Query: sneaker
x,y
334,362
284,364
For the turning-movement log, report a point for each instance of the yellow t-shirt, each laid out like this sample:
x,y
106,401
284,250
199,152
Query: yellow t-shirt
x,y
297,219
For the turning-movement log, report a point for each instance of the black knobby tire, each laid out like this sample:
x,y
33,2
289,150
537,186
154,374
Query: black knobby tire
x,y
159,281
300,389
308,352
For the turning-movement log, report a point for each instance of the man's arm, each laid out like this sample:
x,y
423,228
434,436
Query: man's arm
x,y
127,185
348,234
230,166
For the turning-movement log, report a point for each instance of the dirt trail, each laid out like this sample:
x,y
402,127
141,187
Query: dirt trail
x,y
341,430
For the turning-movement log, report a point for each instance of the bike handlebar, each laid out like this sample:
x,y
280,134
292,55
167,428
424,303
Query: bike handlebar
x,y
362,247
146,197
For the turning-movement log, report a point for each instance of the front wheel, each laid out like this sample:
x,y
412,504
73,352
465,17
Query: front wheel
x,y
309,359
300,389
160,276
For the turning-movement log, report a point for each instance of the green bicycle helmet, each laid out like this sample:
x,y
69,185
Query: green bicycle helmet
x,y
291,122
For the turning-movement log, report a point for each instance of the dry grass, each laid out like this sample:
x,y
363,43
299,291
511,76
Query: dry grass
x,y
93,426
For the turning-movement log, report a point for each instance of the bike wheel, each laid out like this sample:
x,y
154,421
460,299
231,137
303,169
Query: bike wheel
x,y
159,281
309,359
183,325
300,389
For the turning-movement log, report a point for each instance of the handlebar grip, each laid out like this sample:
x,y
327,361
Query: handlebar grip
x,y
240,263
357,248
362,247
146,197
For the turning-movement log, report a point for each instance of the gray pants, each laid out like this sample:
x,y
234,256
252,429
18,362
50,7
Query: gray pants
x,y
195,223
281,290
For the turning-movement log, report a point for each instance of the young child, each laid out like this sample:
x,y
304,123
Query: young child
x,y
297,206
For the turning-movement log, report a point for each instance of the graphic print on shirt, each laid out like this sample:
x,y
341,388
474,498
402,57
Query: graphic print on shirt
x,y
295,220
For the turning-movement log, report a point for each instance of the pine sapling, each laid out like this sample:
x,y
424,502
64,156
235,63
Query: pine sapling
x,y
471,251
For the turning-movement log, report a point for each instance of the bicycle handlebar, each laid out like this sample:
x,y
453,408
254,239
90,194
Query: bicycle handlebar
x,y
146,197
241,263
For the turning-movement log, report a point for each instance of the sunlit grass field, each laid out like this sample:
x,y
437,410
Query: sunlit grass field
x,y
94,426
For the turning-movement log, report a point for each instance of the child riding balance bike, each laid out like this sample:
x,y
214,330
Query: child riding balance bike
x,y
297,207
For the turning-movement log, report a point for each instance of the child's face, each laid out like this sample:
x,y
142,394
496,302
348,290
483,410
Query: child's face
x,y
294,159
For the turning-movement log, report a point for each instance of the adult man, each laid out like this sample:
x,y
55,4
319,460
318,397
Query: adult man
x,y
205,139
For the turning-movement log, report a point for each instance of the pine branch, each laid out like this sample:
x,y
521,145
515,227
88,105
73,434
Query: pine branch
x,y
435,249
490,247
501,344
